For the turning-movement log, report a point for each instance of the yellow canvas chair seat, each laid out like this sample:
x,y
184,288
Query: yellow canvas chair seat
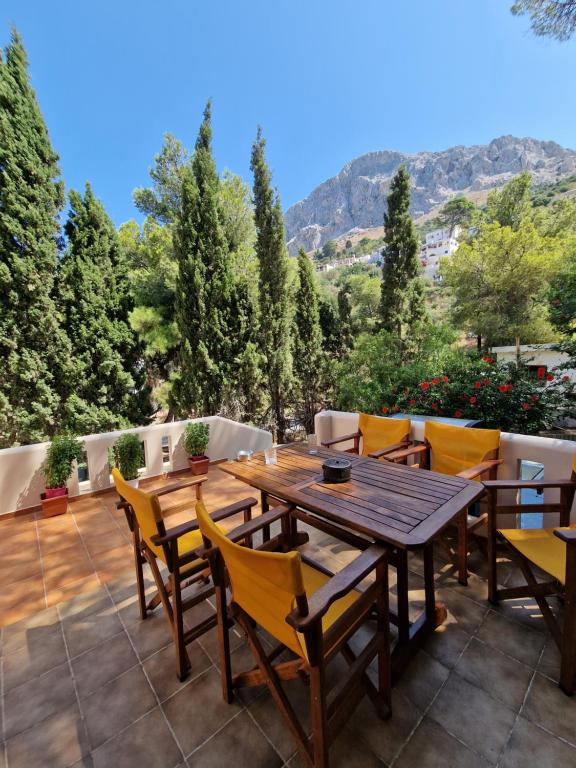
x,y
379,432
266,584
541,547
454,449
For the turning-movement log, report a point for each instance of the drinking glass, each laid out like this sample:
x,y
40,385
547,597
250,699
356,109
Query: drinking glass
x,y
312,444
270,456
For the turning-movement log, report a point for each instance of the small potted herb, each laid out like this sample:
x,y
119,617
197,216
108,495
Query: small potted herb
x,y
127,455
62,452
196,437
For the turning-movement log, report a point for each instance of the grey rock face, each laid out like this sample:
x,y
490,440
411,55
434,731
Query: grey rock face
x,y
356,197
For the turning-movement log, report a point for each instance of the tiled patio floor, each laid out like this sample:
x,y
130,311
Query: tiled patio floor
x,y
85,682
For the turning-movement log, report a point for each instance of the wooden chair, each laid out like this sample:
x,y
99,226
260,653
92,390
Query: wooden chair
x,y
553,550
176,549
461,452
379,436
311,613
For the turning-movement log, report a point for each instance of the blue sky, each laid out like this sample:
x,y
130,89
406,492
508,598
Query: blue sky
x,y
327,79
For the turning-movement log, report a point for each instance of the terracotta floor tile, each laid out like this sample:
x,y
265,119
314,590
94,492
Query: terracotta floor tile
x,y
59,593
20,591
55,541
20,571
21,610
96,543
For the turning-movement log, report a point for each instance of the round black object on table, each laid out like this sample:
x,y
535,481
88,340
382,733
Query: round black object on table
x,y
336,470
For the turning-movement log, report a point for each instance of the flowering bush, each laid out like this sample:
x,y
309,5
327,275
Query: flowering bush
x,y
503,395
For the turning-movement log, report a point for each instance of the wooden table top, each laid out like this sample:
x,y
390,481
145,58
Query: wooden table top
x,y
388,502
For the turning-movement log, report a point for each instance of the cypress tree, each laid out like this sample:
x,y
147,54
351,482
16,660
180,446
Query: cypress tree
x,y
274,299
205,297
32,344
308,357
106,390
402,298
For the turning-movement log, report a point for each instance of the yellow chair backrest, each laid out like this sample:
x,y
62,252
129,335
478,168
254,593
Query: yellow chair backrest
x,y
454,449
264,584
379,432
146,508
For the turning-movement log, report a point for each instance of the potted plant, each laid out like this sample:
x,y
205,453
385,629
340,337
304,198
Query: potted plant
x,y
62,452
127,455
196,437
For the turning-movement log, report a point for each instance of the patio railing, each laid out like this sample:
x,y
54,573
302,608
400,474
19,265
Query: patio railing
x,y
22,478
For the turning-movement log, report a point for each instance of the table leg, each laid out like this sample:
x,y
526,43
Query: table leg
x,y
265,508
412,636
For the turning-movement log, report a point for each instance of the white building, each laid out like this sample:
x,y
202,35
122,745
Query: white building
x,y
439,243
536,356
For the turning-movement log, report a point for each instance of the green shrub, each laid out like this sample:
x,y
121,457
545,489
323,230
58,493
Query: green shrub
x,y
196,438
62,452
127,455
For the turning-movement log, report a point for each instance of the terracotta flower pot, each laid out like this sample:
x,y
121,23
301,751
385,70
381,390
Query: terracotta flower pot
x,y
54,502
199,464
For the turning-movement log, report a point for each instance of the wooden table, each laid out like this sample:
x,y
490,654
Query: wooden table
x,y
389,503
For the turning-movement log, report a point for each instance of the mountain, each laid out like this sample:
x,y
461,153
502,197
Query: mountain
x,y
356,198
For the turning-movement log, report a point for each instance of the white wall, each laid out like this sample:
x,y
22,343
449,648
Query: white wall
x,y
22,478
556,455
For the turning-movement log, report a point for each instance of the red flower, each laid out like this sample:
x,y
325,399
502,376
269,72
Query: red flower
x,y
434,381
565,378
395,409
486,381
534,398
541,372
525,406
444,378
509,387
473,400
550,377
457,414
477,384
384,409
411,402
424,385
503,388
434,405
488,360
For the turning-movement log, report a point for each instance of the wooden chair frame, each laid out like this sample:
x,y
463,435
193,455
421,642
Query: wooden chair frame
x,y
356,436
169,593
329,710
564,635
466,525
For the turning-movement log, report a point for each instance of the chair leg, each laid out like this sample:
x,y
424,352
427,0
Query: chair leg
x,y
383,629
223,629
568,664
318,716
491,548
463,548
182,661
138,562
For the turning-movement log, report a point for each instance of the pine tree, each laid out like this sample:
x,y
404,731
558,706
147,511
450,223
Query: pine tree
x,y
106,389
205,296
402,299
309,361
32,344
274,297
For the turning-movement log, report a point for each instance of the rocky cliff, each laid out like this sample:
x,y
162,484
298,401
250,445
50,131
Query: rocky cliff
x,y
356,197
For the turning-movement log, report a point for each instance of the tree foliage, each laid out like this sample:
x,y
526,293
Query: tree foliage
x,y
458,212
402,298
274,298
33,347
106,389
204,288
551,18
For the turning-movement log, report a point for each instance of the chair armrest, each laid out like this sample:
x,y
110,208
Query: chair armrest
x,y
480,469
179,486
567,535
389,449
192,525
413,450
503,485
255,525
343,439
338,586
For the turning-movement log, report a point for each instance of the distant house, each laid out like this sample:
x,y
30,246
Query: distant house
x,y
439,242
537,356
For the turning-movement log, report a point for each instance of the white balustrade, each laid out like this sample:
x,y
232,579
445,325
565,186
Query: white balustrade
x,y
22,476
